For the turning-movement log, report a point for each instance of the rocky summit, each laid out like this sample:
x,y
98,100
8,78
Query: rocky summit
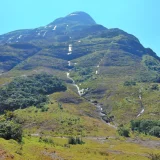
x,y
77,89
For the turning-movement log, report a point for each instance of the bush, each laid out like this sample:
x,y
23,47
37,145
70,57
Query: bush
x,y
10,130
44,109
71,140
154,87
9,115
154,156
129,83
155,131
122,131
75,141
46,140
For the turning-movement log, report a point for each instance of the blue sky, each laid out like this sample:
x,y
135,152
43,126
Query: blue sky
x,y
138,17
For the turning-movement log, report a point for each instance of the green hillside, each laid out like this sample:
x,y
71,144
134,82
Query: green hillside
x,y
74,90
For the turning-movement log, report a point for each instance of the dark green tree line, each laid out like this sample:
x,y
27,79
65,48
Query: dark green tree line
x,y
27,91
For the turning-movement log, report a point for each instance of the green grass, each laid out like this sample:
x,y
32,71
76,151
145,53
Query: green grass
x,y
93,149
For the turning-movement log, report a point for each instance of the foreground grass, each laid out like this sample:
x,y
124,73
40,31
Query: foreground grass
x,y
93,149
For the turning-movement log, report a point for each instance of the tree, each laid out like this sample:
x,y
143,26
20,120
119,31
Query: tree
x,y
10,130
27,91
135,125
155,131
72,140
151,127
75,141
122,131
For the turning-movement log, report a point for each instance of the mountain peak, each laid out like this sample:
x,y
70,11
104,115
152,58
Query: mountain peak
x,y
79,13
79,17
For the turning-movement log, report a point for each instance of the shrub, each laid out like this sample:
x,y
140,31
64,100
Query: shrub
x,y
71,140
129,83
154,87
46,140
155,131
122,131
44,109
9,115
10,130
75,141
152,156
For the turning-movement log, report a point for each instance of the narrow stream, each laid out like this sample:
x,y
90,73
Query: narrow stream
x,y
141,104
97,105
82,91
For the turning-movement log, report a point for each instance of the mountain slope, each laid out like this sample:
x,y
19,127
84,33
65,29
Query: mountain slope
x,y
100,60
111,79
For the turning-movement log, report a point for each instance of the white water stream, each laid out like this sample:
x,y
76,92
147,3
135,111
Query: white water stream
x,y
82,91
54,28
141,112
142,107
69,63
98,106
69,49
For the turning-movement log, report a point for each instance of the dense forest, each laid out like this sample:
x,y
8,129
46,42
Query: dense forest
x,y
27,91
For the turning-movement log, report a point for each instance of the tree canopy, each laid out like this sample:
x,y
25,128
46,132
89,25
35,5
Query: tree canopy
x,y
27,91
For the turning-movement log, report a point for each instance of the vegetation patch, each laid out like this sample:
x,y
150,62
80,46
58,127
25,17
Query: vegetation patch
x,y
146,126
122,131
9,128
129,83
74,141
27,91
